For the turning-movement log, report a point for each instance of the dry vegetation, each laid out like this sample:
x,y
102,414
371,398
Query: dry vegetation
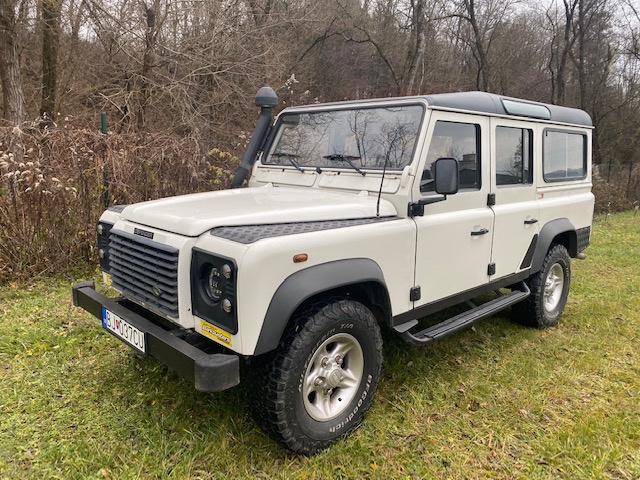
x,y
54,184
177,79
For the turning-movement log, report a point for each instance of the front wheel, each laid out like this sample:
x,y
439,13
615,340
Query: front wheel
x,y
320,382
549,291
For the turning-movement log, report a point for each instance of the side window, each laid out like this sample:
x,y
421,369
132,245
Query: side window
x,y
460,141
564,156
514,156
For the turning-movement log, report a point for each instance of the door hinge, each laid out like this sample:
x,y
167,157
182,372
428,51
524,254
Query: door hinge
x,y
416,210
414,294
492,269
491,199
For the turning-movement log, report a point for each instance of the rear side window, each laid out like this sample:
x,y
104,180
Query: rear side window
x,y
457,140
564,156
514,156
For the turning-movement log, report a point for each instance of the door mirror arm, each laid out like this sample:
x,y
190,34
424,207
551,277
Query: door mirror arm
x,y
446,183
416,209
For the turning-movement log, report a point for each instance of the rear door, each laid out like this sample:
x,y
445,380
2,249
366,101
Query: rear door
x,y
516,206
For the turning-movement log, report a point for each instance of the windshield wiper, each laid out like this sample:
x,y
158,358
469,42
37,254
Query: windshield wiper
x,y
291,157
337,157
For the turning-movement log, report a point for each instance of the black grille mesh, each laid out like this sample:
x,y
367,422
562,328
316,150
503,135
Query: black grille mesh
x,y
145,270
252,233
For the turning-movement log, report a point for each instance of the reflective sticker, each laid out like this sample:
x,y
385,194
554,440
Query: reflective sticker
x,y
215,333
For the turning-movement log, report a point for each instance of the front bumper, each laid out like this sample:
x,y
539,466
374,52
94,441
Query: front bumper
x,y
209,372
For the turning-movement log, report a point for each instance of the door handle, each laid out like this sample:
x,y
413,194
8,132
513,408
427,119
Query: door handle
x,y
477,233
531,221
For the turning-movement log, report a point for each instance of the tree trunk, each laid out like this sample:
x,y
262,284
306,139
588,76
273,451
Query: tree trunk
x,y
50,42
483,77
419,46
148,61
12,96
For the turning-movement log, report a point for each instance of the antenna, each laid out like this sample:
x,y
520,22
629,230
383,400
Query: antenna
x,y
384,171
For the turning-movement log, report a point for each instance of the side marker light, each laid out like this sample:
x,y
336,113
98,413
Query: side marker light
x,y
300,257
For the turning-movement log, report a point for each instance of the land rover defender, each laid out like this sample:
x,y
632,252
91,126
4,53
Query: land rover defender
x,y
357,215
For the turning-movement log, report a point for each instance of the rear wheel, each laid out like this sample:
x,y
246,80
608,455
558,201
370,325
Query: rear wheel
x,y
318,385
549,291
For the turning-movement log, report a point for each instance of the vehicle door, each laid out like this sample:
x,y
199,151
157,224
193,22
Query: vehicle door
x,y
513,185
453,245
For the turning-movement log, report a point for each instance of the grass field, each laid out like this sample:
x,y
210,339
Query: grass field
x,y
496,401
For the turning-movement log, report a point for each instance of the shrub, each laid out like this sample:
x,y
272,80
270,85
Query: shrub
x,y
53,188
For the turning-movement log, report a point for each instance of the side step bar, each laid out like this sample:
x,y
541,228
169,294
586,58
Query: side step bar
x,y
464,320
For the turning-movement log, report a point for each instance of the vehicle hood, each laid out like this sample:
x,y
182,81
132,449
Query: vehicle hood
x,y
192,215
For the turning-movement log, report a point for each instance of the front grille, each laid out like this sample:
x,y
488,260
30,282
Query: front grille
x,y
145,271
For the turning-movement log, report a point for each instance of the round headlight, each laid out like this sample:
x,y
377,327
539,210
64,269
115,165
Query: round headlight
x,y
101,253
226,271
100,229
212,286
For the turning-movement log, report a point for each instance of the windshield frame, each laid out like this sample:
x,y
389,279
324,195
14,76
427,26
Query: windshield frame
x,y
340,107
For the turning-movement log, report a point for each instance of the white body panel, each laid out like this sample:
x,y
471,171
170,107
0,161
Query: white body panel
x,y
269,262
191,215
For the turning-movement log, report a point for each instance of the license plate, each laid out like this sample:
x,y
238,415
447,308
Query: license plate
x,y
126,332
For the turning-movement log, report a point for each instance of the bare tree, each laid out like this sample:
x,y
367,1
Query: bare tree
x,y
12,95
484,17
50,10
562,42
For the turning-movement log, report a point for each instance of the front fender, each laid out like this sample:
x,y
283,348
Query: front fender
x,y
302,285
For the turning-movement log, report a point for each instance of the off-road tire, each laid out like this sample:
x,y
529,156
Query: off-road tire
x,y
549,290
286,386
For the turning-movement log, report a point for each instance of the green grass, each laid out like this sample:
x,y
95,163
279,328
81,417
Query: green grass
x,y
496,401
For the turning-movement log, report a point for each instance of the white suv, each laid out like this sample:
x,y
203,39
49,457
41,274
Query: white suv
x,y
357,215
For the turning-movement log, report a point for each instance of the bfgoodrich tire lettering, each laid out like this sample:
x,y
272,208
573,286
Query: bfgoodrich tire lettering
x,y
317,386
549,291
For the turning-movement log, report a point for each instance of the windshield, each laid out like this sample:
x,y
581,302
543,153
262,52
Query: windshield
x,y
357,138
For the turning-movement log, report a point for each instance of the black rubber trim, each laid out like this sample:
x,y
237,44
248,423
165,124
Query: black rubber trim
x,y
208,372
302,285
526,261
545,176
550,231
583,236
438,305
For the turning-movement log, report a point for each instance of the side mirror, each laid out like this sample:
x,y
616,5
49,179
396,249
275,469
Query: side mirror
x,y
446,181
446,176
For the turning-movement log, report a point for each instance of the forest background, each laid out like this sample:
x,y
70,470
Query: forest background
x,y
176,79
